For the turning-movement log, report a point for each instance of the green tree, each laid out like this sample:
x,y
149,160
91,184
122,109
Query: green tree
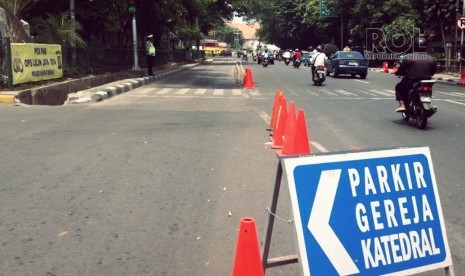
x,y
59,28
229,35
440,17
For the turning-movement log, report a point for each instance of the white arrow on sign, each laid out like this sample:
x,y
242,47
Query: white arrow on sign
x,y
318,224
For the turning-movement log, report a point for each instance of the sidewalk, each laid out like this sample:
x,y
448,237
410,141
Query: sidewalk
x,y
92,89
452,79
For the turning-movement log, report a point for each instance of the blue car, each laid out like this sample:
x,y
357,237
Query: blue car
x,y
305,58
350,63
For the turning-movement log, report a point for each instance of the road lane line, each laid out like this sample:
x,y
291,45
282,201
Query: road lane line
x,y
451,101
311,92
319,146
363,91
347,93
362,81
262,114
292,91
328,92
380,92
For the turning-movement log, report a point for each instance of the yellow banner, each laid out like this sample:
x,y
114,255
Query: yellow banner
x,y
35,62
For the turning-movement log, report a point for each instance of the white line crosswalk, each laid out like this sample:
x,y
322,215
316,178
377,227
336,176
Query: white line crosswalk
x,y
197,92
164,91
365,93
322,93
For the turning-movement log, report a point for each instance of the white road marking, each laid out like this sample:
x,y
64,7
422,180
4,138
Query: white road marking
x,y
182,91
218,92
347,93
236,92
164,91
200,92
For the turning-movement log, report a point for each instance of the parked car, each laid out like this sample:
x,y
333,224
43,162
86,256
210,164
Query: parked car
x,y
352,63
226,53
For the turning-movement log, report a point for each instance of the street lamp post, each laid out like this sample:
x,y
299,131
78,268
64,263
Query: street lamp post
x,y
236,38
71,10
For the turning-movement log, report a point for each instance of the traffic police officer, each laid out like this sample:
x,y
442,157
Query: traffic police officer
x,y
150,52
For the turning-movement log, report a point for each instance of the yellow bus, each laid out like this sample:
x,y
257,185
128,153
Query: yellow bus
x,y
213,46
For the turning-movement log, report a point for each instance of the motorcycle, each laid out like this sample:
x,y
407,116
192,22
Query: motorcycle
x,y
319,75
296,63
265,61
287,60
418,105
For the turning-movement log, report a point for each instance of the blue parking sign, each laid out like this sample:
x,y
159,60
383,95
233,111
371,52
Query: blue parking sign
x,y
367,213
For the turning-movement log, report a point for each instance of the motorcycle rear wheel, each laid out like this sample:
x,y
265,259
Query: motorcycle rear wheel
x,y
421,118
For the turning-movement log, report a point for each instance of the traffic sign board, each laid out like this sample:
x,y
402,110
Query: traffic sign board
x,y
461,22
325,9
367,213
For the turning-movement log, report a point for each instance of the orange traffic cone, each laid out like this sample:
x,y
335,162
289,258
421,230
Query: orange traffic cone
x,y
462,77
247,261
278,131
248,78
385,67
290,132
274,113
303,141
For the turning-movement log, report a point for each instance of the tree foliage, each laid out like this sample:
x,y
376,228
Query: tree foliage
x,y
287,23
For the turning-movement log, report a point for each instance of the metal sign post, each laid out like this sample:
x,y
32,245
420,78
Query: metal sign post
x,y
461,25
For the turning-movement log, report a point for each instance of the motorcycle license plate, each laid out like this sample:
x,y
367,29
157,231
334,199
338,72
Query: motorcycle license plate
x,y
320,72
425,99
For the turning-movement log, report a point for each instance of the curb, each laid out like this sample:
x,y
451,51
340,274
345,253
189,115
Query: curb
x,y
121,87
8,97
448,81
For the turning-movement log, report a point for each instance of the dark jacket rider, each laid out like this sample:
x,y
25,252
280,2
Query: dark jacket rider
x,y
414,67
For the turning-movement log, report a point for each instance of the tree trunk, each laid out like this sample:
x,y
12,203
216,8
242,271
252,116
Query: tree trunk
x,y
444,42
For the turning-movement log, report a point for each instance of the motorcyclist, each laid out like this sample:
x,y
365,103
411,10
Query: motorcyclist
x,y
318,59
244,55
413,67
297,54
287,54
266,55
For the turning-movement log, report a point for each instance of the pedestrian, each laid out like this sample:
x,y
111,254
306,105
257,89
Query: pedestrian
x,y
150,52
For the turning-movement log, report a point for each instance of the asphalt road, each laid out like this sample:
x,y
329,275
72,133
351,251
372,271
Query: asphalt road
x,y
155,181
